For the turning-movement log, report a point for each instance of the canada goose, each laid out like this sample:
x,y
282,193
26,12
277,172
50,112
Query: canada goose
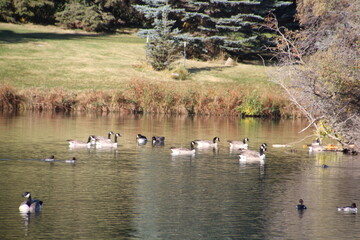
x,y
158,140
141,139
252,155
351,208
76,143
207,143
104,138
301,206
184,151
30,206
265,146
50,159
107,142
239,144
316,148
73,160
316,142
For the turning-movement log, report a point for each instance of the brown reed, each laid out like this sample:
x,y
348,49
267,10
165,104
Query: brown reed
x,y
9,99
141,96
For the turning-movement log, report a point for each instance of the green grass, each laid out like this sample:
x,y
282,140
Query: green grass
x,y
49,68
40,56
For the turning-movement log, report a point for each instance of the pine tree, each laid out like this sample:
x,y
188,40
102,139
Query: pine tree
x,y
214,26
37,11
230,26
162,45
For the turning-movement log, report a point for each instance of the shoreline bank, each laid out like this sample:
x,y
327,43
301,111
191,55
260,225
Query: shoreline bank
x,y
148,97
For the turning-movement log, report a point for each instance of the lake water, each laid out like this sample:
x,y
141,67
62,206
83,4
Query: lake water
x,y
142,192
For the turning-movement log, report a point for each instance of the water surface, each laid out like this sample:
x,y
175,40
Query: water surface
x,y
142,192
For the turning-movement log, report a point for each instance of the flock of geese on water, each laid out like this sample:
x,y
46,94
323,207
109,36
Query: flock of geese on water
x,y
34,205
102,141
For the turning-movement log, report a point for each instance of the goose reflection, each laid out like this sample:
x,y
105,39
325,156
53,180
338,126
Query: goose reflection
x,y
26,218
209,150
261,165
179,158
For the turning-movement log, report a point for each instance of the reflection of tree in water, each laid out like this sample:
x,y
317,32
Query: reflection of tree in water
x,y
327,158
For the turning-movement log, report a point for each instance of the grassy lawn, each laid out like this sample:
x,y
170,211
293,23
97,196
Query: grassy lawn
x,y
47,56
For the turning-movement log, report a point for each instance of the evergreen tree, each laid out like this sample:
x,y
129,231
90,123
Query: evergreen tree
x,y
7,11
213,26
90,16
161,46
230,26
36,11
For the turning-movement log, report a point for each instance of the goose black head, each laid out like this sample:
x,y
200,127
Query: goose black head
x,y
216,139
26,194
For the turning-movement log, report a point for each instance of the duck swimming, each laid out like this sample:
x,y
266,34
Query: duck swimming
x,y
156,140
301,206
73,160
352,208
316,146
141,139
30,205
50,159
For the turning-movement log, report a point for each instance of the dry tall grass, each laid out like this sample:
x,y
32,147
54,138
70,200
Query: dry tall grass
x,y
10,99
144,97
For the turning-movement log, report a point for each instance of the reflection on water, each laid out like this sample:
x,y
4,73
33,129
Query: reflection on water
x,y
143,192
27,218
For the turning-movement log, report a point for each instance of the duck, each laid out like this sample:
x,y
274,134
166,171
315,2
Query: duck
x,y
247,155
105,138
30,205
352,208
184,151
72,160
301,206
239,144
141,139
207,143
156,140
76,143
316,142
50,159
316,148
108,142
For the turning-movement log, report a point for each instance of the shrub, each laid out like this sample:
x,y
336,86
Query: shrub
x,y
251,106
161,50
89,18
180,73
